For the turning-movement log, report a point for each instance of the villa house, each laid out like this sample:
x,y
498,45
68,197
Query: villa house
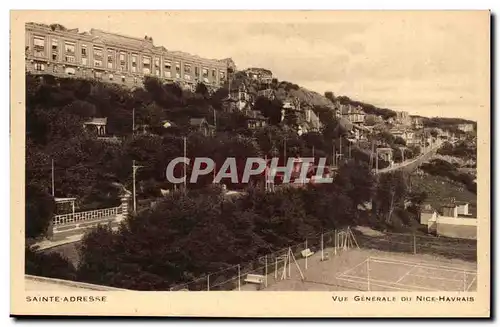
x,y
352,113
405,134
463,209
466,127
267,93
96,125
313,119
201,125
449,222
255,119
417,122
260,74
403,118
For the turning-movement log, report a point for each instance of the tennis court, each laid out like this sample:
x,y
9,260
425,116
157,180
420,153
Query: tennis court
x,y
373,270
385,274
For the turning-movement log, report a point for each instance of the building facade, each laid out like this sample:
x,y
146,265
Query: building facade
x,y
56,50
403,118
466,127
354,114
260,74
417,122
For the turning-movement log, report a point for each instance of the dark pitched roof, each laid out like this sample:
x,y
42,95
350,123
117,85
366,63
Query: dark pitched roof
x,y
197,121
97,121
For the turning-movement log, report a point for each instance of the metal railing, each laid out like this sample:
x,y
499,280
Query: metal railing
x,y
84,216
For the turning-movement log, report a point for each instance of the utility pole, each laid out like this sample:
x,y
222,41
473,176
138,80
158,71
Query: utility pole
x,y
333,154
215,120
371,154
284,152
53,191
340,150
185,172
265,175
134,170
133,121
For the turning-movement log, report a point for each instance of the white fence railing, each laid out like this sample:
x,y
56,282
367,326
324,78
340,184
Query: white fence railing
x,y
83,216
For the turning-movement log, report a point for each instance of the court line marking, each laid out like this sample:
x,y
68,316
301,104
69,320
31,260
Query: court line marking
x,y
440,278
406,274
376,284
390,283
473,280
350,269
423,265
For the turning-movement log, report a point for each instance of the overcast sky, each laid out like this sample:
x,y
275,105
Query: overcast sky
x,y
431,64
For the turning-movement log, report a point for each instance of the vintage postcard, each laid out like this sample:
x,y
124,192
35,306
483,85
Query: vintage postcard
x,y
250,164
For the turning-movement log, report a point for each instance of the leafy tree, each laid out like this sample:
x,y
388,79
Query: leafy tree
x,y
399,141
357,181
390,194
51,265
39,206
370,120
270,109
81,108
330,96
201,89
385,137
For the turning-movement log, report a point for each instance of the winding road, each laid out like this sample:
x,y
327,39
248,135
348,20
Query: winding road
x,y
413,163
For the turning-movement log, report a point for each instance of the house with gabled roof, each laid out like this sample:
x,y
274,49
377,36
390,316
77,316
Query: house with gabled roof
x,y
202,125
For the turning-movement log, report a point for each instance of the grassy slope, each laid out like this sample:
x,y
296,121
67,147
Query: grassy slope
x,y
440,190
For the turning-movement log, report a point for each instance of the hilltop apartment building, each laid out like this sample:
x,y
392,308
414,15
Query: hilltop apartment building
x,y
466,127
56,50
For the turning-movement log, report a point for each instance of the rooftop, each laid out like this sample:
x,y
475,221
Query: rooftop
x,y
198,121
97,121
63,200
116,39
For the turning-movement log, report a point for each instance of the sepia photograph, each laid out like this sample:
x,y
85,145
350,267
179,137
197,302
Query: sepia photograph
x,y
270,155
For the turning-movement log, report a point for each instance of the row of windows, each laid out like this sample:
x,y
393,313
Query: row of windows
x,y
71,71
122,62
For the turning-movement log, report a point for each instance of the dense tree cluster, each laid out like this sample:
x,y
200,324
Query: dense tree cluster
x,y
462,149
184,235
445,122
48,265
188,235
90,169
438,167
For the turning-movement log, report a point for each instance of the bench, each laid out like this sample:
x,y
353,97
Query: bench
x,y
255,279
306,253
